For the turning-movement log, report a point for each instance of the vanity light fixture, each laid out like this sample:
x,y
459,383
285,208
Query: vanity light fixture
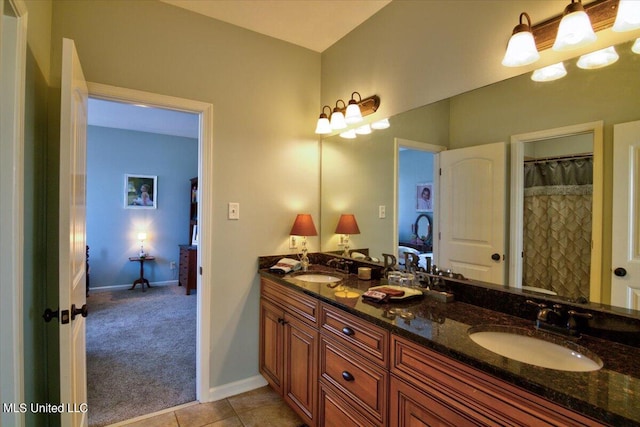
x,y
521,49
380,124
347,225
337,117
303,226
598,59
549,73
353,114
324,126
363,130
346,115
628,17
349,134
575,28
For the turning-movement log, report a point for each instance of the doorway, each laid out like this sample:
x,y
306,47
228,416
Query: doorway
x,y
204,150
416,200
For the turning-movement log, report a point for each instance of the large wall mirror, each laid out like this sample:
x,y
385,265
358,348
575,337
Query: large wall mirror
x,y
359,176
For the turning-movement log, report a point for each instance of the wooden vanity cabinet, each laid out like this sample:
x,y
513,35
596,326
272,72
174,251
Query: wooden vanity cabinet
x,y
354,377
427,388
289,347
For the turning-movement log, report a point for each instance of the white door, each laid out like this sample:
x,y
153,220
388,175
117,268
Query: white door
x,y
472,212
72,274
625,279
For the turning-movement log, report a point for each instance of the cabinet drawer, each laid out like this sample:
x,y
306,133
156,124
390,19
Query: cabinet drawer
x,y
473,393
296,303
359,335
356,378
336,412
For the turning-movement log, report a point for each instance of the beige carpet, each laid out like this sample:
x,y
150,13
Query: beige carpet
x,y
140,352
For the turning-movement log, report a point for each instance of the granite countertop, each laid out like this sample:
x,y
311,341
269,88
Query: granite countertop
x,y
610,395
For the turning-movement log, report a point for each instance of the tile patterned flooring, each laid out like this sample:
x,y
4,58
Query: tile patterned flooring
x,y
257,408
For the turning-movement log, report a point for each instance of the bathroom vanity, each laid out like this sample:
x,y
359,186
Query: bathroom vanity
x,y
339,360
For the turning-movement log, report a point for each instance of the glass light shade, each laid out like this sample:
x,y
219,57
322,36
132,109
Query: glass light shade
x,y
575,29
353,114
363,130
598,59
549,73
521,50
303,226
350,134
347,224
323,127
142,236
636,47
337,120
628,17
380,124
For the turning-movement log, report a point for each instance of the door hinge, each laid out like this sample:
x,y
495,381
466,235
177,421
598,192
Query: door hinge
x,y
440,171
201,270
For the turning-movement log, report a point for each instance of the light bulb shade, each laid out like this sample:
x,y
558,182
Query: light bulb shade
x,y
636,47
363,130
575,29
628,17
323,127
353,113
142,236
303,226
598,59
521,49
347,225
380,124
549,73
337,120
349,134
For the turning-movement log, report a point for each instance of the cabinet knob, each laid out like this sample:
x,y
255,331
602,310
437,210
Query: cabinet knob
x,y
347,331
347,376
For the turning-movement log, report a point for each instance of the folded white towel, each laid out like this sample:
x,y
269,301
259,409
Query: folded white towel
x,y
286,265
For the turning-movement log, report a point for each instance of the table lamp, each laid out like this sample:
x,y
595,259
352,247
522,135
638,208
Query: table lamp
x,y
142,237
347,225
303,226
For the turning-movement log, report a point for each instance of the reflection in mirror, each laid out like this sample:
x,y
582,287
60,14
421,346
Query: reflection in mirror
x,y
358,175
556,211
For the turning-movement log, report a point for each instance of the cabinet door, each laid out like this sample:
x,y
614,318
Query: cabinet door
x,y
413,408
301,362
271,344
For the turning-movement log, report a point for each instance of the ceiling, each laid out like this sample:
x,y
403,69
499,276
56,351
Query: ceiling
x,y
313,24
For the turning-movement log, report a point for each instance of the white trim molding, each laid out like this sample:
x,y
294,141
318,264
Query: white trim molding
x,y
236,387
13,49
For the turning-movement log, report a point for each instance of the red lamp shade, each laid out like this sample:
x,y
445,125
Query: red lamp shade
x,y
303,226
347,225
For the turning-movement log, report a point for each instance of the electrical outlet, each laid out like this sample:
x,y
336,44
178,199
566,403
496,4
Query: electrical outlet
x,y
172,265
341,240
382,211
293,242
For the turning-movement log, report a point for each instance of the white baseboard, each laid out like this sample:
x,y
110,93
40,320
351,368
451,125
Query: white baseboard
x,y
237,387
128,285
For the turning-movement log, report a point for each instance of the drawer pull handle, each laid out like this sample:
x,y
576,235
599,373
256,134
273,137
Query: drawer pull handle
x,y
347,331
347,376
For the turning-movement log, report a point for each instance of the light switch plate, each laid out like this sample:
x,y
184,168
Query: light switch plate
x,y
234,210
382,211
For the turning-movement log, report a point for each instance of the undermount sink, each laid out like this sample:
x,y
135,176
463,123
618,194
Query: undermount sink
x,y
518,344
318,278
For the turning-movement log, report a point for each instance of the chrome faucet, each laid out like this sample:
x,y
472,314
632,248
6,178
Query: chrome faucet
x,y
341,264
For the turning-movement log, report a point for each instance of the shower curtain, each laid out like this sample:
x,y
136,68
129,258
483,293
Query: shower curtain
x,y
557,225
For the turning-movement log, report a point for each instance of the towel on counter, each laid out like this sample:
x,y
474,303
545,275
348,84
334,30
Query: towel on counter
x,y
286,265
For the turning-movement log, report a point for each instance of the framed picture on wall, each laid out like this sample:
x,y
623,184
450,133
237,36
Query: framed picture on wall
x,y
424,197
140,191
